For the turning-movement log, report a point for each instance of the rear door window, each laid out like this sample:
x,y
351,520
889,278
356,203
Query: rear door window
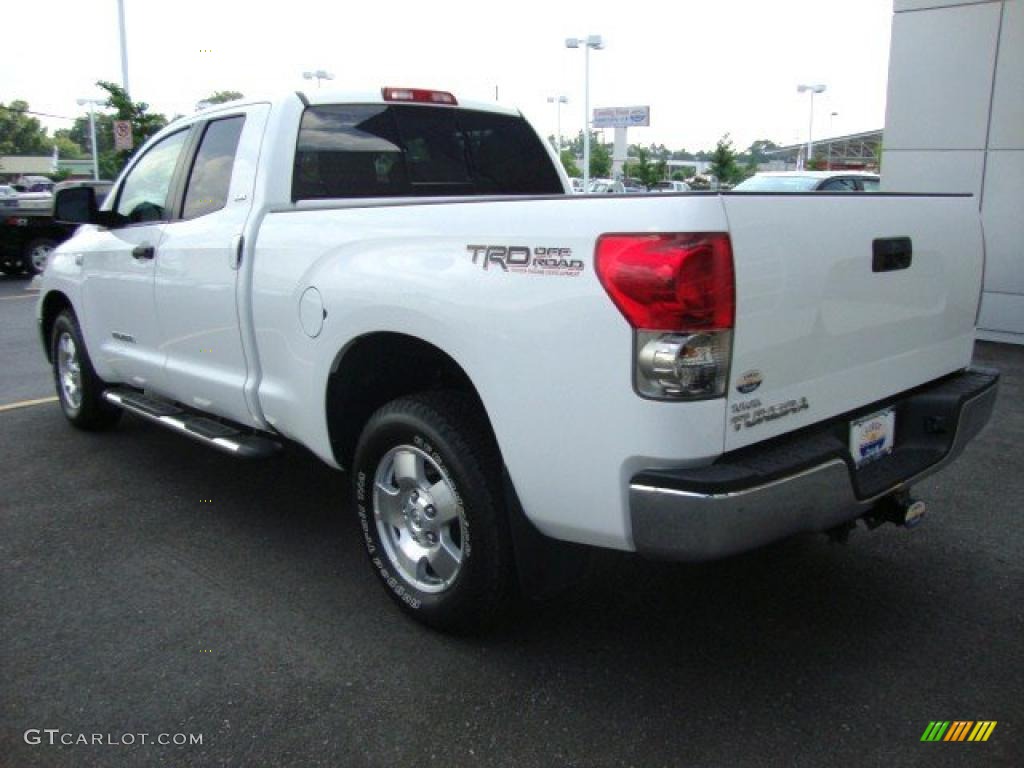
x,y
367,150
210,179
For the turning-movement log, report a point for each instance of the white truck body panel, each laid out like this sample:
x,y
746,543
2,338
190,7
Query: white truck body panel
x,y
196,285
549,355
818,324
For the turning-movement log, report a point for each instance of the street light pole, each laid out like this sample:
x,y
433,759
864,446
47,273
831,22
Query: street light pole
x,y
812,89
124,46
595,42
320,74
92,134
558,101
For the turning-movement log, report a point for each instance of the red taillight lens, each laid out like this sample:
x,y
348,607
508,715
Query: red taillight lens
x,y
670,282
419,95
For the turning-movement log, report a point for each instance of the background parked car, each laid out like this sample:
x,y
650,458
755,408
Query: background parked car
x,y
34,184
28,232
606,187
8,198
671,186
810,181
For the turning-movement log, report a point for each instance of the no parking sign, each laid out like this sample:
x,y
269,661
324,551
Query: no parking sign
x,y
122,135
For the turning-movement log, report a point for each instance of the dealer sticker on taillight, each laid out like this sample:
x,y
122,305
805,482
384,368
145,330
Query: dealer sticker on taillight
x,y
872,437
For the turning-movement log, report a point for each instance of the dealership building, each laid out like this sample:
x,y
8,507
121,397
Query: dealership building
x,y
955,123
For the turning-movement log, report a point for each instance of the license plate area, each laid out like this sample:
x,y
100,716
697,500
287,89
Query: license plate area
x,y
872,437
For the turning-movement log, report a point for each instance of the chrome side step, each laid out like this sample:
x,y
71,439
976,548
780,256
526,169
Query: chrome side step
x,y
216,434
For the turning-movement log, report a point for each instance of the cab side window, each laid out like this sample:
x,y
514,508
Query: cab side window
x,y
210,179
144,194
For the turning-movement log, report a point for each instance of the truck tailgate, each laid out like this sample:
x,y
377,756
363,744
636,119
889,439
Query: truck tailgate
x,y
828,321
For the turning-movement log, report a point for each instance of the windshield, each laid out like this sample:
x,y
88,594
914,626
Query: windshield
x,y
777,184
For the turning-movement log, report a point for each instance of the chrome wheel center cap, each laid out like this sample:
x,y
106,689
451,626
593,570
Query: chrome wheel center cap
x,y
416,517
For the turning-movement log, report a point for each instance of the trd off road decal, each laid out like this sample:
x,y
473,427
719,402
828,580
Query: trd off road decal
x,y
520,258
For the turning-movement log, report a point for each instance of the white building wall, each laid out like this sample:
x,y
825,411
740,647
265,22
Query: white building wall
x,y
955,123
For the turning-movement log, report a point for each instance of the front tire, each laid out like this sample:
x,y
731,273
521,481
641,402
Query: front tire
x,y
428,493
37,254
79,389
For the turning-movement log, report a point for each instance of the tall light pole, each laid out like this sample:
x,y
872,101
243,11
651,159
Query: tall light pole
x,y
124,46
558,101
595,42
318,75
831,136
92,133
812,89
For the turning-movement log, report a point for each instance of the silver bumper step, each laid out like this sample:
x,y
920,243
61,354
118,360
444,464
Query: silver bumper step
x,y
216,434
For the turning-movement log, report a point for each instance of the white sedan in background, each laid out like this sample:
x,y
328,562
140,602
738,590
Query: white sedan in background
x,y
810,181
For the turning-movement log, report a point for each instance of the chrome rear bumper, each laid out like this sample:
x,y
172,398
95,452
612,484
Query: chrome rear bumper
x,y
807,481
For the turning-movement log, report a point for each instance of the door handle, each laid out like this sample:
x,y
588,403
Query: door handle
x,y
143,252
889,254
237,249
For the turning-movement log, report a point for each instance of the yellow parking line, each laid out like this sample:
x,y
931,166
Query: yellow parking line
x,y
27,403
12,298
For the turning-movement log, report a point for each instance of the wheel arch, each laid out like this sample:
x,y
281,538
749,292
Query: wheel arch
x,y
376,368
54,303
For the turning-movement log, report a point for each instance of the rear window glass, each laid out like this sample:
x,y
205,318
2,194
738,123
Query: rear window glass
x,y
375,150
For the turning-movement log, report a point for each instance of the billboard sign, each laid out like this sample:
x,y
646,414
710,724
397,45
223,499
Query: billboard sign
x,y
622,117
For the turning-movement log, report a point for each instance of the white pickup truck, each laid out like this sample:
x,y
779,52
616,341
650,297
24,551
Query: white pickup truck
x,y
404,285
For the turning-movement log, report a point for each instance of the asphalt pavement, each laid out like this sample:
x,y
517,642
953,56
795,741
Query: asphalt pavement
x,y
151,586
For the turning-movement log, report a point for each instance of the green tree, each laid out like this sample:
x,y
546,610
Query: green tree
x,y
66,146
144,124
644,171
600,158
723,162
760,148
20,133
684,173
219,97
600,154
569,163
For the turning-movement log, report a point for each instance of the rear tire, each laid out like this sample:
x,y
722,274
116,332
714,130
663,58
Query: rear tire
x,y
427,485
79,389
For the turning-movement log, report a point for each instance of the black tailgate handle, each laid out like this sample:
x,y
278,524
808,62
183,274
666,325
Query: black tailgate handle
x,y
891,253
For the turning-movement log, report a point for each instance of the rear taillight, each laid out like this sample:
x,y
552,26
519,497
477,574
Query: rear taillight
x,y
418,95
678,293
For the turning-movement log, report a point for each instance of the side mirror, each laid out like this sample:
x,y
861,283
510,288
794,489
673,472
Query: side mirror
x,y
77,205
